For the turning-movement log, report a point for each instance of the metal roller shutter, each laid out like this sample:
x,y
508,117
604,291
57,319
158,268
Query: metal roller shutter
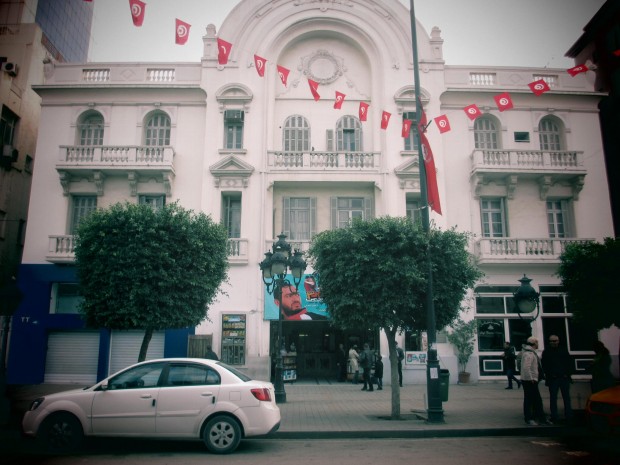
x,y
72,357
125,347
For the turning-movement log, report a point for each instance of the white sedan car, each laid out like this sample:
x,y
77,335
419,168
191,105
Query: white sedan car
x,y
174,398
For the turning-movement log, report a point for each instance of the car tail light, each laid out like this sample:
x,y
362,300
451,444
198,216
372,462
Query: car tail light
x,y
262,394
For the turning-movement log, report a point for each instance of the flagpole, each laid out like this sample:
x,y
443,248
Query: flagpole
x,y
434,408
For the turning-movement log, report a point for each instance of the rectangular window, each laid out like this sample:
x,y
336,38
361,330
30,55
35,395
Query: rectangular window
x,y
522,136
233,129
412,142
233,339
413,207
558,218
3,221
66,298
299,218
155,201
348,140
8,126
491,335
493,217
83,205
345,209
231,214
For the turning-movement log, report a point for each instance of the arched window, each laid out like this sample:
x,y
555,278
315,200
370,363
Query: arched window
x,y
90,129
296,134
157,130
486,135
550,133
349,134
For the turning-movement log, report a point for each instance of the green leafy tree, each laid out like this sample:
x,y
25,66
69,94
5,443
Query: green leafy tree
x,y
374,275
590,273
149,269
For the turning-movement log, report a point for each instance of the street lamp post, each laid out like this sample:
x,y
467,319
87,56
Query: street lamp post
x,y
274,270
527,299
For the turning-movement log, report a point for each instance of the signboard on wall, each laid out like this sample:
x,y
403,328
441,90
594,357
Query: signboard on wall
x,y
303,304
415,359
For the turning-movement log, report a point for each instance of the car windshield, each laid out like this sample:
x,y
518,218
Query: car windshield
x,y
242,376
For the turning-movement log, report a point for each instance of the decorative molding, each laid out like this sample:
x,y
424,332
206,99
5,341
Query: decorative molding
x,y
578,185
132,177
231,172
322,66
545,183
65,180
98,178
511,185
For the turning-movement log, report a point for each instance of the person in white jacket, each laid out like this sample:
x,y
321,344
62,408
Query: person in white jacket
x,y
531,374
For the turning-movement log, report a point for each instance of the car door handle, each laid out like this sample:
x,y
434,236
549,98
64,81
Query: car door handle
x,y
206,394
145,396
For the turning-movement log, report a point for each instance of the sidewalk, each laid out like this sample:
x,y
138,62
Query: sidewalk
x,y
314,411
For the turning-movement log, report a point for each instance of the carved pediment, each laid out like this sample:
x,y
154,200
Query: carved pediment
x,y
408,174
232,172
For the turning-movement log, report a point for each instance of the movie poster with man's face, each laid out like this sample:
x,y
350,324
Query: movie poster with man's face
x,y
301,304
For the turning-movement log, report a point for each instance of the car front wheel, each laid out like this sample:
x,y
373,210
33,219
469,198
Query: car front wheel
x,y
61,432
222,434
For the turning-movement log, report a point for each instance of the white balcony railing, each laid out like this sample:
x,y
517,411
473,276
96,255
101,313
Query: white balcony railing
x,y
61,249
98,155
520,250
324,161
514,160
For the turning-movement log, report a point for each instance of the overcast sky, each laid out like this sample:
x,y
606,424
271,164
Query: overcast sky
x,y
475,32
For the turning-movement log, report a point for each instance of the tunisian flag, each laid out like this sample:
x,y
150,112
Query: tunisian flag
x,y
472,111
363,113
575,70
503,101
385,119
339,99
539,87
442,123
432,190
137,12
260,64
223,51
314,88
283,72
181,31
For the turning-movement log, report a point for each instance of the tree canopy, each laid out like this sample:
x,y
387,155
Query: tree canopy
x,y
146,268
374,275
590,273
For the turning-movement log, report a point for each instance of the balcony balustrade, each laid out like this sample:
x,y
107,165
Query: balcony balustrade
x,y
520,250
109,157
61,249
323,161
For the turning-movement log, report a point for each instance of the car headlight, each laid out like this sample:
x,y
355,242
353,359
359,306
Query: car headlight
x,y
35,403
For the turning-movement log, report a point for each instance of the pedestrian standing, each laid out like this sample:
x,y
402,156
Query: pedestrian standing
x,y
354,363
510,366
367,360
379,371
601,368
341,364
531,374
400,355
210,354
558,367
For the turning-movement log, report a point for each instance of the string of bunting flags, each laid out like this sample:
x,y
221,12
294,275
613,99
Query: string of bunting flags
x,y
503,101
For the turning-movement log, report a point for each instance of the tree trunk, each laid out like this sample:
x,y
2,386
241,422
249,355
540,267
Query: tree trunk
x,y
148,334
391,339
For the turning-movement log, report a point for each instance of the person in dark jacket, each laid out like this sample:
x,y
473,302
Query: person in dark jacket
x,y
510,358
558,367
341,362
211,355
379,371
367,360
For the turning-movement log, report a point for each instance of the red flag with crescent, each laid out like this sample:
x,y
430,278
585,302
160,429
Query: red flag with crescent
x,y
472,111
181,31
314,88
575,70
539,87
260,64
503,101
385,119
442,123
363,112
283,72
339,99
137,11
406,128
223,51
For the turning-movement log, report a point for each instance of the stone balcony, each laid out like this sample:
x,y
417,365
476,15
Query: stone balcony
x,y
510,250
548,168
323,161
97,161
61,250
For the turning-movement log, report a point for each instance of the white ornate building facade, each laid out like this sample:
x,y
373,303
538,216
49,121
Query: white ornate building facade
x,y
265,158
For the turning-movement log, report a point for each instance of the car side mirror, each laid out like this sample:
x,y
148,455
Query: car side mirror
x,y
104,386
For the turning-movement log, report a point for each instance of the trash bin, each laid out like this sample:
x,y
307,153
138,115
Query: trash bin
x,y
444,382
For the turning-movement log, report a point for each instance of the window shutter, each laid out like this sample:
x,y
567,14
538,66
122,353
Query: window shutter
x,y
329,141
312,217
334,211
286,216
